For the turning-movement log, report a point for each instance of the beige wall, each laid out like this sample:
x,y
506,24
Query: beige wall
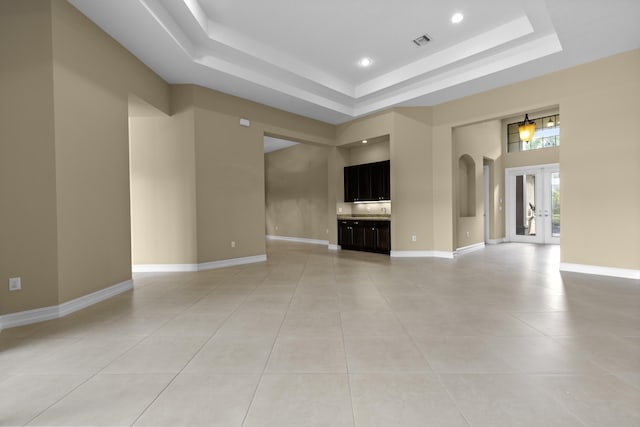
x,y
230,185
600,164
68,85
338,158
93,76
369,127
28,234
369,153
163,202
296,191
411,180
270,120
217,170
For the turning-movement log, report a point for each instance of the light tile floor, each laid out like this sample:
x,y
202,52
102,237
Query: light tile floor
x,y
496,337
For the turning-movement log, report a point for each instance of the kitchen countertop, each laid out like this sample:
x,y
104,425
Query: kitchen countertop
x,y
365,217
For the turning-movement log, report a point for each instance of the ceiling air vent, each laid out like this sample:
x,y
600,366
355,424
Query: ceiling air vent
x,y
422,40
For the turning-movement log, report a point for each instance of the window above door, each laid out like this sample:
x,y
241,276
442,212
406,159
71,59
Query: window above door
x,y
547,134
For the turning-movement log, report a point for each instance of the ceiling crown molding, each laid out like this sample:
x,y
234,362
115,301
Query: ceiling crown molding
x,y
209,44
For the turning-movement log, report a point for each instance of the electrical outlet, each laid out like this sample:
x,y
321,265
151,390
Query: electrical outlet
x,y
15,284
233,243
414,238
467,234
339,210
276,228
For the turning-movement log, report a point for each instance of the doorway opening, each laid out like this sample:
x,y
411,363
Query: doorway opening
x,y
486,200
533,204
295,190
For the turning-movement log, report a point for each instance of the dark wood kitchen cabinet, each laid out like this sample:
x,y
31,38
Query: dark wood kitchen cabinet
x,y
350,184
365,235
351,233
381,180
368,182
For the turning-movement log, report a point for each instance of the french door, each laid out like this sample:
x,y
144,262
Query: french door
x,y
533,204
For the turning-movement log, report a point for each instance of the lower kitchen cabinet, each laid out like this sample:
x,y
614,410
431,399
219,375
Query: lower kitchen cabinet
x,y
365,235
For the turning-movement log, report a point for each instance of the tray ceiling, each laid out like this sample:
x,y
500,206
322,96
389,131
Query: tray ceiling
x,y
302,56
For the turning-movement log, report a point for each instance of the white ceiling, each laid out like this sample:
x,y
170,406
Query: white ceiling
x,y
302,55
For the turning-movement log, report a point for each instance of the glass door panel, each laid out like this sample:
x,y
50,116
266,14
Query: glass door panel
x,y
533,204
523,194
553,199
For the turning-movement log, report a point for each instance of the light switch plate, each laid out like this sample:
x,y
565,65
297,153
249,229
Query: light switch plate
x,y
15,284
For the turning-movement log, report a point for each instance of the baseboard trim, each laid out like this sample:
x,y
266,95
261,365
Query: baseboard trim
x,y
231,262
163,268
470,248
54,312
333,247
598,270
496,241
181,268
421,254
298,240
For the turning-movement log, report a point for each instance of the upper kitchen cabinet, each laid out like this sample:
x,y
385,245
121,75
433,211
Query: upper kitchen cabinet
x,y
381,180
367,182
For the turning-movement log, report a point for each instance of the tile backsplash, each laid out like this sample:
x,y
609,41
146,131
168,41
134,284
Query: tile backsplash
x,y
378,208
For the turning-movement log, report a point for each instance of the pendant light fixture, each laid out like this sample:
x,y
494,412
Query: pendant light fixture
x,y
526,129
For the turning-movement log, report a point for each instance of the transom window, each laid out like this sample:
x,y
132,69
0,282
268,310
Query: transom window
x,y
547,134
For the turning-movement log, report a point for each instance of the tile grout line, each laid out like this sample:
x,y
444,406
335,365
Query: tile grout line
x,y
91,376
346,361
436,374
177,373
194,354
266,362
147,337
344,347
61,398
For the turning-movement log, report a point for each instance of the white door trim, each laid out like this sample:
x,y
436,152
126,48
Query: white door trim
x,y
486,184
539,171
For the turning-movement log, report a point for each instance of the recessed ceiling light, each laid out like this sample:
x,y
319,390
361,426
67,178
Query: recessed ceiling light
x,y
364,141
457,17
364,62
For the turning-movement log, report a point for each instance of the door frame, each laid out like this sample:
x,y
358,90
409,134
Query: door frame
x,y
543,189
486,188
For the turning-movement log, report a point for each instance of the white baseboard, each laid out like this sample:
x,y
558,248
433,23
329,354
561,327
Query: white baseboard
x,y
163,268
421,254
177,268
298,240
624,273
333,247
231,262
54,312
496,241
469,248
